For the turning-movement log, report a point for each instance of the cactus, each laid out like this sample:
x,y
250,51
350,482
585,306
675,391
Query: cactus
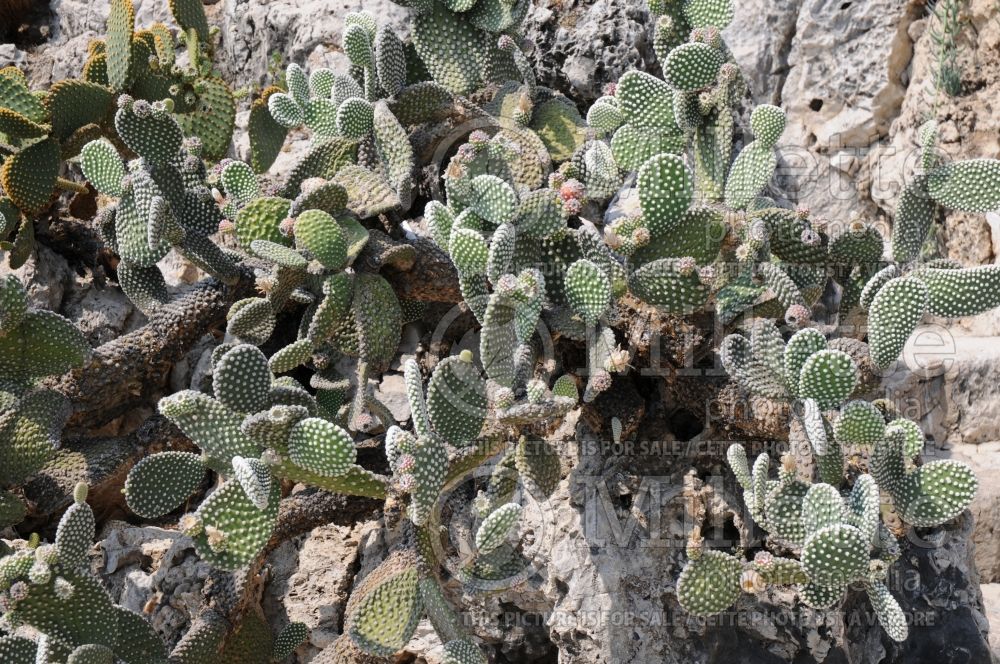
x,y
926,496
50,591
539,253
34,344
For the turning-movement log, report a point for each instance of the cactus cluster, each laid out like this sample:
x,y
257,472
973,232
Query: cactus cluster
x,y
43,130
34,344
557,226
162,200
49,588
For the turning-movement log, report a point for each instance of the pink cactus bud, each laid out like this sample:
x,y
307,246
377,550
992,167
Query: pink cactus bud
x,y
572,207
572,189
797,315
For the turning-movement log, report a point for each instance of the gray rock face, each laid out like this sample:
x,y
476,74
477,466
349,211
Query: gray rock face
x,y
579,46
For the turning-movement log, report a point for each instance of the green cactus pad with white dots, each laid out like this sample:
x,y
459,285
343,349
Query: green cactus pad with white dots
x,y
665,192
234,528
588,290
385,608
692,66
456,400
860,423
961,292
829,376
835,555
161,482
970,186
494,529
321,447
669,283
210,425
242,379
710,583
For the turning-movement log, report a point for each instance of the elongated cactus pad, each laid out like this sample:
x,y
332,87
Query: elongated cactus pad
x,y
893,316
961,292
385,608
970,186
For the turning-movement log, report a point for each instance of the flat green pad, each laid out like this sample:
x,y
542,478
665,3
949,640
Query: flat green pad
x,y
29,176
242,527
160,483
709,584
835,555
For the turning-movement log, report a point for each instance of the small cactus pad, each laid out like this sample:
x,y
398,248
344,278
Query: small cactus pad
x,y
893,316
767,122
160,483
494,529
961,292
386,606
692,66
75,534
321,235
665,192
456,399
888,611
242,379
588,290
234,528
860,423
291,637
461,651
255,478
829,377
835,555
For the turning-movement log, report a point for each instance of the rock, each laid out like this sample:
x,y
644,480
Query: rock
x,y
102,314
308,33
984,459
844,86
391,392
947,381
311,581
760,37
45,276
155,572
991,599
579,46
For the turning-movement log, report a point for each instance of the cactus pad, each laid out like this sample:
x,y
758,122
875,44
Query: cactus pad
x,y
160,483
